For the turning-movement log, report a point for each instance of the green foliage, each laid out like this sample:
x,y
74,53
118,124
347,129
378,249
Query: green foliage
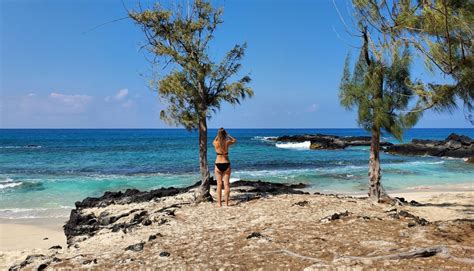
x,y
440,31
381,91
196,85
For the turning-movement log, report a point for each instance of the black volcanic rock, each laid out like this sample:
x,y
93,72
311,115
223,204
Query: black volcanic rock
x,y
85,224
329,142
454,145
136,247
129,196
260,187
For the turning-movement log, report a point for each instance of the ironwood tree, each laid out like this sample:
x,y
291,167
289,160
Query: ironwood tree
x,y
196,85
440,32
380,89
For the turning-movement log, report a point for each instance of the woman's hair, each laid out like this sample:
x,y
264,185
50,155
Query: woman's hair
x,y
221,137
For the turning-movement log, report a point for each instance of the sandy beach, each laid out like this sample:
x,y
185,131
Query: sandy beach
x,y
282,231
21,237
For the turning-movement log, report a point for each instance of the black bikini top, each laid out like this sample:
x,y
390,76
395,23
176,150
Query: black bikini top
x,y
222,154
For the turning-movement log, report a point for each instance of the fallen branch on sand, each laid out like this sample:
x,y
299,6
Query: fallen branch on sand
x,y
414,253
441,251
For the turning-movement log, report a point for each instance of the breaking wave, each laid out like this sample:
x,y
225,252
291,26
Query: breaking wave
x,y
9,183
292,145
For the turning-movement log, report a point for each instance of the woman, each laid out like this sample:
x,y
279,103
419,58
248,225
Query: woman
x,y
222,169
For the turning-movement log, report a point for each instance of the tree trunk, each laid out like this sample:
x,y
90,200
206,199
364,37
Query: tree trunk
x,y
376,190
203,193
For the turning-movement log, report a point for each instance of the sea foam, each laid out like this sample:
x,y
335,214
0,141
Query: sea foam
x,y
297,146
21,147
264,138
9,183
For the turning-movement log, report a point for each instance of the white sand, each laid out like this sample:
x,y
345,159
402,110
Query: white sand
x,y
22,237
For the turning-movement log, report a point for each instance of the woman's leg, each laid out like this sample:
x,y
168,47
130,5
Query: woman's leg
x,y
226,179
218,175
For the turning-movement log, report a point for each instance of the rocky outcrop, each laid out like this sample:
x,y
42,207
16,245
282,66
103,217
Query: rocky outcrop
x,y
329,142
127,197
458,146
85,224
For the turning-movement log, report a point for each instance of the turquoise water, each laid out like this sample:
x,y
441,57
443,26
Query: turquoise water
x,y
43,172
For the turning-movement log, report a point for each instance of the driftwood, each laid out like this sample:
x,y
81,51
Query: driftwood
x,y
441,251
414,253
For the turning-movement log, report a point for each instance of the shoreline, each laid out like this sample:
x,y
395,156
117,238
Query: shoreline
x,y
32,231
26,236
22,237
413,191
264,227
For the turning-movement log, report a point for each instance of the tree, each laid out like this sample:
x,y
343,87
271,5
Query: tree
x,y
441,32
195,86
381,89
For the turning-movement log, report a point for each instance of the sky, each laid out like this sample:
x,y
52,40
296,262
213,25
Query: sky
x,y
62,67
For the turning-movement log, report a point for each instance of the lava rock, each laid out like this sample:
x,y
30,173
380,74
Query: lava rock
x,y
254,235
164,254
302,203
418,220
129,196
147,222
42,266
329,142
56,247
136,247
154,236
81,223
86,262
454,145
405,202
335,216
29,259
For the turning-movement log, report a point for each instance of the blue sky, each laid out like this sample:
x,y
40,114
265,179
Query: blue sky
x,y
55,73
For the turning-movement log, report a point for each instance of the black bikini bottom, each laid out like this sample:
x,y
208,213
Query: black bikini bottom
x,y
222,167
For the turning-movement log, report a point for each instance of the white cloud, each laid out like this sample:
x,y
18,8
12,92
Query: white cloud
x,y
128,104
55,103
121,94
75,102
121,98
312,108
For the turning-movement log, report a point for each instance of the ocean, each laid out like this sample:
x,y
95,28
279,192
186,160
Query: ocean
x,y
44,171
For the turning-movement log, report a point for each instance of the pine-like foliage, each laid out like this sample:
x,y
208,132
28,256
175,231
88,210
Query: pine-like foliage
x,y
380,92
196,85
440,31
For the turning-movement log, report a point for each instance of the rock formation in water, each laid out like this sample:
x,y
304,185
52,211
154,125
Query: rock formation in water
x,y
329,142
458,146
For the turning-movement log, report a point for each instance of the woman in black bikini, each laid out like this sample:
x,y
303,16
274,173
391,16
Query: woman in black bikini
x,y
222,169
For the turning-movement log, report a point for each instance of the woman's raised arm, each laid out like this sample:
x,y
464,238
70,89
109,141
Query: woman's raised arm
x,y
231,140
